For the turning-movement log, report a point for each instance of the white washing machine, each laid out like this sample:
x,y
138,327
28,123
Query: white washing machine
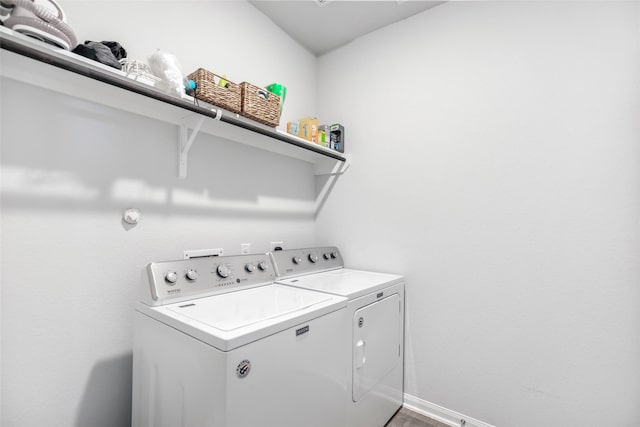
x,y
375,325
218,344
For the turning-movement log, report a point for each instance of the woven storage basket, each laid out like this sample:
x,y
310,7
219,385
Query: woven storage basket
x,y
208,90
260,105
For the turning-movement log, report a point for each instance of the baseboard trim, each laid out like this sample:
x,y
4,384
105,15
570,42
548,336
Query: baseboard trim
x,y
438,413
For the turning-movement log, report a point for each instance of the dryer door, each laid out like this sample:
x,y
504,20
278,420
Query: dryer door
x,y
377,337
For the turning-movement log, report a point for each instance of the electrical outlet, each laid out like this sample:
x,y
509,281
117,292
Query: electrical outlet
x,y
199,253
245,248
277,246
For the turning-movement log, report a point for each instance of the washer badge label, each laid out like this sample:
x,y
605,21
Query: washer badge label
x,y
243,368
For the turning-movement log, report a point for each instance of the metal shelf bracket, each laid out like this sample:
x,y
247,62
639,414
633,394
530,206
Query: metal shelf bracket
x,y
186,138
325,181
338,167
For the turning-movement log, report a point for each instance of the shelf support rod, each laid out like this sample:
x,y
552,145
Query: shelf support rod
x,y
184,144
338,168
330,180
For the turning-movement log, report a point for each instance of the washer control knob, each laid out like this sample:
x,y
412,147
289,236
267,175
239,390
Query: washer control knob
x,y
313,257
297,260
263,266
250,268
192,274
171,277
334,255
223,271
327,256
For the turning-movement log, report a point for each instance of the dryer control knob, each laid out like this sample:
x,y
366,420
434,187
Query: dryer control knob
x,y
171,277
263,266
313,257
326,256
250,268
223,271
192,274
297,260
334,255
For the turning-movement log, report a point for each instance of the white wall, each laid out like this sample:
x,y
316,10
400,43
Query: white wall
x,y
70,270
496,149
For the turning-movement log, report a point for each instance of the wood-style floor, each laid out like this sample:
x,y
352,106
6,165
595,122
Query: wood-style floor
x,y
407,418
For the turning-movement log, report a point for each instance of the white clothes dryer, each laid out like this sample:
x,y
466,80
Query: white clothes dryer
x,y
375,326
218,344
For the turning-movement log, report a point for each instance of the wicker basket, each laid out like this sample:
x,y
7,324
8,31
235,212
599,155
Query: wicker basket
x,y
209,90
260,105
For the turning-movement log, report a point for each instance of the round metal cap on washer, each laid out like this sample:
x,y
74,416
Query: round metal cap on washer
x,y
334,255
250,268
296,260
326,256
263,266
243,368
313,257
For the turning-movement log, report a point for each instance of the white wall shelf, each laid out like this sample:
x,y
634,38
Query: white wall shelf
x,y
32,62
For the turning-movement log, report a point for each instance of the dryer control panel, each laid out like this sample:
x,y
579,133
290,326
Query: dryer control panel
x,y
296,262
174,281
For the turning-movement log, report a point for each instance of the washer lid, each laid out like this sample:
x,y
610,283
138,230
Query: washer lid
x,y
236,310
230,320
345,282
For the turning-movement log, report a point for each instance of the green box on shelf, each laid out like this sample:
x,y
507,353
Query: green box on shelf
x,y
280,90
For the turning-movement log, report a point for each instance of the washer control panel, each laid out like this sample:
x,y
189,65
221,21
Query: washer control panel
x,y
173,281
294,262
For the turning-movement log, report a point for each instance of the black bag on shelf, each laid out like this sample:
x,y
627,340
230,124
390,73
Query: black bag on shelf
x,y
107,53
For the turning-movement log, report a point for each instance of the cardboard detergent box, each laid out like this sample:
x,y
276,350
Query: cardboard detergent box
x,y
334,136
309,129
324,134
293,128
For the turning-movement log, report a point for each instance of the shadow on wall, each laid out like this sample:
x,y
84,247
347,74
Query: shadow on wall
x,y
71,154
107,396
